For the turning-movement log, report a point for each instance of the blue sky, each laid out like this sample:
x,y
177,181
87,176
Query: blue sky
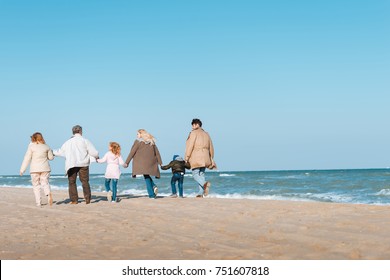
x,y
278,84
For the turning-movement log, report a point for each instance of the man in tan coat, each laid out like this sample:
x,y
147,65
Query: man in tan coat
x,y
200,154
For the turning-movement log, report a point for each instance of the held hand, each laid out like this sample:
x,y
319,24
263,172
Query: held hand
x,y
21,173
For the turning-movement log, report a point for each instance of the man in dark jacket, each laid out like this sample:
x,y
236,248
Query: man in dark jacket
x,y
178,166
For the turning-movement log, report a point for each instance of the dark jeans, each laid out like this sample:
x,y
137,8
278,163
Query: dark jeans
x,y
179,178
150,186
83,173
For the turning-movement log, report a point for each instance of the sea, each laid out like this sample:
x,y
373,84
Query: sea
x,y
352,186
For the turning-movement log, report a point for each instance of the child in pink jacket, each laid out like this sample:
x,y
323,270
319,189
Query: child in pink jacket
x,y
114,159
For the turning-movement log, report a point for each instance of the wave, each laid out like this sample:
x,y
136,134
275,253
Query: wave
x,y
227,175
21,186
330,197
15,186
257,197
58,176
323,197
96,176
384,192
309,198
133,192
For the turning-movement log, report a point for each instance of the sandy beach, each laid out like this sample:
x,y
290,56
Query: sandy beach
x,y
189,229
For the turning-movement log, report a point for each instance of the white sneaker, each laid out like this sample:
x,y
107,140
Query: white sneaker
x,y
155,190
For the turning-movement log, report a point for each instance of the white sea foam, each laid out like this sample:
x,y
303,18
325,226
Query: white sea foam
x,y
257,197
141,192
227,175
133,192
58,176
53,187
331,197
16,186
96,176
384,192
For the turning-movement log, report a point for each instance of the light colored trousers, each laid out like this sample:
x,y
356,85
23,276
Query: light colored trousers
x,y
40,180
199,176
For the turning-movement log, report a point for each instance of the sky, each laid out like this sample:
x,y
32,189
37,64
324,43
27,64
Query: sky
x,y
279,85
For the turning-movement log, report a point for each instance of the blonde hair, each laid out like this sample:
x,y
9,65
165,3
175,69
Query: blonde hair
x,y
146,136
115,148
37,138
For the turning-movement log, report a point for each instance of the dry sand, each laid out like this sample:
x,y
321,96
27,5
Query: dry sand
x,y
189,229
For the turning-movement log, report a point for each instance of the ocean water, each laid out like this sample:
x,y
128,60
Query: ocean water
x,y
355,186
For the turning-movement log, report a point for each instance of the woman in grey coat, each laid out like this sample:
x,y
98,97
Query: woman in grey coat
x,y
146,158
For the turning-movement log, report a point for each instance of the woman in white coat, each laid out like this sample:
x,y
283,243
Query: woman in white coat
x,y
37,156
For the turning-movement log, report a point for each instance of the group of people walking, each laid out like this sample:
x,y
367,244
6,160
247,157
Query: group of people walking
x,y
144,155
